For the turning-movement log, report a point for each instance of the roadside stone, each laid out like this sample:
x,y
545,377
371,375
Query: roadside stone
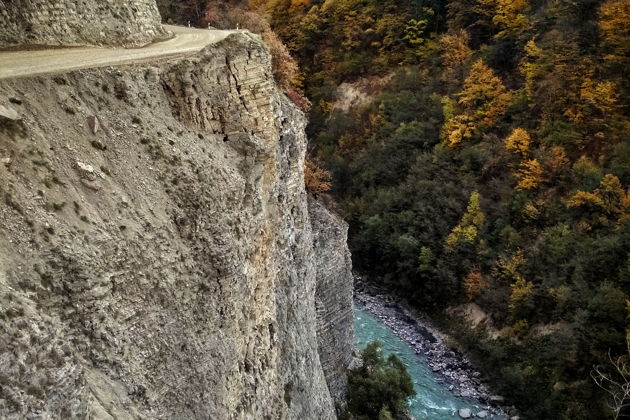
x,y
464,413
86,171
9,113
94,124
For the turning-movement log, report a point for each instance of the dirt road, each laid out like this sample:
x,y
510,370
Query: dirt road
x,y
29,63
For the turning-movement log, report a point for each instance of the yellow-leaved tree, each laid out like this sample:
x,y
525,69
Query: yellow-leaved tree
x,y
482,101
467,231
530,175
530,67
610,199
510,16
509,270
455,53
614,26
518,142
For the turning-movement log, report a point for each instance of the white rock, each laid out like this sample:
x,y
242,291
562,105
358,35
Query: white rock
x,y
84,167
482,414
94,124
86,171
9,113
464,413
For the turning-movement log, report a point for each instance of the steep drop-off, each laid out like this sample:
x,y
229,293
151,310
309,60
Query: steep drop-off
x,y
157,258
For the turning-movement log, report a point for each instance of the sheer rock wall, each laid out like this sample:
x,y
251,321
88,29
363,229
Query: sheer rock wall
x,y
157,257
333,297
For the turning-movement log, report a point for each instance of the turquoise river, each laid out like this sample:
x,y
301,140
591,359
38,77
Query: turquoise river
x,y
433,400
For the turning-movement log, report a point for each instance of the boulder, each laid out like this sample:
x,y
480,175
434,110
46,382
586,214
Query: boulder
x,y
9,113
464,413
482,414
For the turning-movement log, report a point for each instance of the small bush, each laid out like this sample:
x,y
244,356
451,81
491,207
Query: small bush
x,y
379,388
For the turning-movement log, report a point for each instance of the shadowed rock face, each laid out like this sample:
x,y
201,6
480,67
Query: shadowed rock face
x,y
72,22
333,297
165,265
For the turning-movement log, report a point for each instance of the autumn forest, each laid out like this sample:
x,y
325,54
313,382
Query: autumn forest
x,y
489,166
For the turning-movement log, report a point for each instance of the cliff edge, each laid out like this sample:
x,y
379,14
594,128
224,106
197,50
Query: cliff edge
x,y
158,259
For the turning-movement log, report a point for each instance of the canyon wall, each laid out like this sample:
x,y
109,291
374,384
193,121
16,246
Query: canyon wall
x,y
157,256
333,297
29,23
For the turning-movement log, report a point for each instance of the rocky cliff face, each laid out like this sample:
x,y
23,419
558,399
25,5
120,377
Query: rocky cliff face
x,y
72,22
157,257
333,297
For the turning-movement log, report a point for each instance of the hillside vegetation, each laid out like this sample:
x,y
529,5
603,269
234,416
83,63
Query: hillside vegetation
x,y
492,169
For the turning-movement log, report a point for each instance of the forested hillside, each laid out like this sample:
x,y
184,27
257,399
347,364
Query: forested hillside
x,y
493,168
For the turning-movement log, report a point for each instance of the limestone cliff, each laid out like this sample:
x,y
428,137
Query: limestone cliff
x,y
71,22
333,297
157,257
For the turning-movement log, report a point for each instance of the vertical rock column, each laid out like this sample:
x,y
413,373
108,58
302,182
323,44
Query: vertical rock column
x,y
333,297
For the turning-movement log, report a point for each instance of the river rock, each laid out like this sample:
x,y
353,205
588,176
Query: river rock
x,y
464,413
482,414
496,399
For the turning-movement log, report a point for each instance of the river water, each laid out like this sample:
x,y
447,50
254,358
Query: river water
x,y
433,400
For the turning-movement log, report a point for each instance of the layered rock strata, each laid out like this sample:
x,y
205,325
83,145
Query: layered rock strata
x,y
32,23
157,258
333,298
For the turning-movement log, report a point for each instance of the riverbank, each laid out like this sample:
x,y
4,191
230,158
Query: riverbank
x,y
449,367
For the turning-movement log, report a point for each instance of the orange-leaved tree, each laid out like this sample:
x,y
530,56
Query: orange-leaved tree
x,y
317,180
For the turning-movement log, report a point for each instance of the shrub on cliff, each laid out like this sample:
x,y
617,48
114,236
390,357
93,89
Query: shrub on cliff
x,y
380,388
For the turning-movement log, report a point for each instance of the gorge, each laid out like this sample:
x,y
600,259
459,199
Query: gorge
x,y
186,187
